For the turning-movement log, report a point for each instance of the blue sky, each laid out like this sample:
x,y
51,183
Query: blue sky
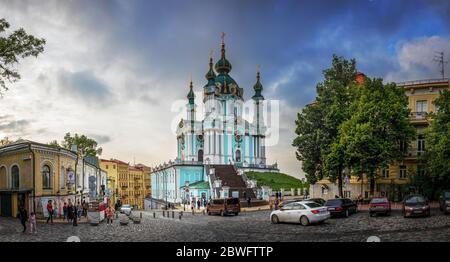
x,y
113,69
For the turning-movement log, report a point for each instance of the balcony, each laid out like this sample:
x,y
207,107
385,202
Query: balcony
x,y
413,154
418,117
124,187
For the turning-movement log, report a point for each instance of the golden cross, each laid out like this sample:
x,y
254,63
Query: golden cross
x,y
210,53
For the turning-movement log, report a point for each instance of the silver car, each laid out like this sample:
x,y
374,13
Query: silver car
x,y
303,212
126,209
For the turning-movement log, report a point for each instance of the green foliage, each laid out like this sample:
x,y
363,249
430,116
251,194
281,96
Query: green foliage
x,y
371,138
54,143
318,123
437,153
86,146
17,45
276,181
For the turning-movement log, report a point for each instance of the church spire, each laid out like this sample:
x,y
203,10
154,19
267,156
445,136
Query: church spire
x,y
258,86
210,75
223,66
191,95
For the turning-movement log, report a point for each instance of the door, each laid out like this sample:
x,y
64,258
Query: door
x,y
5,205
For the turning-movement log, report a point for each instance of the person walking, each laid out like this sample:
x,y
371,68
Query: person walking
x,y
198,204
32,220
65,211
109,215
79,210
70,212
50,211
75,209
23,216
249,201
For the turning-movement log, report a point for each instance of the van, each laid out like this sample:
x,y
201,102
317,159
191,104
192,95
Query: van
x,y
224,206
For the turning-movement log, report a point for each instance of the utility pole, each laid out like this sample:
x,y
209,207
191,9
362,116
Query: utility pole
x,y
439,58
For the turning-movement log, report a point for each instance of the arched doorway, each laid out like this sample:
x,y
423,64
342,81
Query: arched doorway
x,y
200,155
3,178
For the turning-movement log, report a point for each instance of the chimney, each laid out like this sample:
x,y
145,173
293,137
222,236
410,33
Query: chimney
x,y
360,78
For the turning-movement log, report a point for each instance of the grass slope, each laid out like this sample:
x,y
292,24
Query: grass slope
x,y
275,180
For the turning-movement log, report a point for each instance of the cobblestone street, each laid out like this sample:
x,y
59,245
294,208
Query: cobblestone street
x,y
250,226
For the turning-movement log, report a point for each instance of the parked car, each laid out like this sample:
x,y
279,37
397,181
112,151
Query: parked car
x,y
415,205
280,205
341,207
318,201
379,205
444,201
126,209
303,212
224,206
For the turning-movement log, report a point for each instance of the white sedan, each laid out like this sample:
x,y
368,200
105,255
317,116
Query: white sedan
x,y
303,212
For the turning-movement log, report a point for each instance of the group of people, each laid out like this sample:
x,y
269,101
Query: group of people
x,y
72,213
23,216
200,203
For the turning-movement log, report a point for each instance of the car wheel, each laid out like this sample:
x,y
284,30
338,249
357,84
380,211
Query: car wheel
x,y
275,219
209,213
346,213
304,221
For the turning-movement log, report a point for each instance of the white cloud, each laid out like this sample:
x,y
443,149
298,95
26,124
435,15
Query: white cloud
x,y
415,59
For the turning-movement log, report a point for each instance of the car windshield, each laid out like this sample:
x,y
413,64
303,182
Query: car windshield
x,y
378,200
312,205
333,202
415,200
125,206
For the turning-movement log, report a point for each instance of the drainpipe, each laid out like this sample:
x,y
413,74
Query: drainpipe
x,y
34,178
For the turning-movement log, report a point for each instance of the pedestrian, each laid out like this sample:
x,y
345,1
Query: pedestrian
x,y
249,201
85,208
79,210
65,211
70,212
109,215
75,209
23,216
33,228
50,211
198,204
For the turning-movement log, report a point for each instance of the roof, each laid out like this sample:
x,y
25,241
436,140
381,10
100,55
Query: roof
x,y
21,143
199,185
92,160
114,161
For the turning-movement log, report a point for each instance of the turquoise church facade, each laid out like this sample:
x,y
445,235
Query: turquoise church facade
x,y
222,137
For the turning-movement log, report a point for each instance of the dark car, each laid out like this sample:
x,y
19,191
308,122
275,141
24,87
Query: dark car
x,y
319,201
444,201
415,205
341,207
224,206
379,205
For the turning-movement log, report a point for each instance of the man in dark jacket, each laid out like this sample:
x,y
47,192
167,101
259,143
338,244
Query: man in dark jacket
x,y
23,216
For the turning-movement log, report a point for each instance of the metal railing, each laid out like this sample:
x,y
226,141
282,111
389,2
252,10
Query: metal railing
x,y
418,116
424,81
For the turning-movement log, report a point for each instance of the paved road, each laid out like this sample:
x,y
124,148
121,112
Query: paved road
x,y
251,226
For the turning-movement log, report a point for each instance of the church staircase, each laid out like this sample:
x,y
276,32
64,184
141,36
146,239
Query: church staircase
x,y
229,177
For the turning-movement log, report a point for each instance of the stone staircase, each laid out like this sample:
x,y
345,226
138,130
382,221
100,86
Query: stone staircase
x,y
229,177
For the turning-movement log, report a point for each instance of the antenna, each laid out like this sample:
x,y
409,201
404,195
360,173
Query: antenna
x,y
439,58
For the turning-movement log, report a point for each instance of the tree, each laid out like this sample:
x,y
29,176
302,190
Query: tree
x,y
5,141
86,146
54,143
437,137
317,125
17,45
370,139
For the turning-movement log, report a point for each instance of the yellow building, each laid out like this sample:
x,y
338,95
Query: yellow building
x,y
395,181
32,173
110,167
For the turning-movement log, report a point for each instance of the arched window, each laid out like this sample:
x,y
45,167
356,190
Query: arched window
x,y
200,155
3,179
238,156
46,177
15,178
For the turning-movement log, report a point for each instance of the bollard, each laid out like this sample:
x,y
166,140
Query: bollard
x,y
164,214
154,215
179,216
141,215
181,213
173,214
204,213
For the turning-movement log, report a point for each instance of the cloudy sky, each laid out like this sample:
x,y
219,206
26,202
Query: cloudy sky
x,y
114,69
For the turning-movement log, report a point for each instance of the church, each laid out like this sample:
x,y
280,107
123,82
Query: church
x,y
213,153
